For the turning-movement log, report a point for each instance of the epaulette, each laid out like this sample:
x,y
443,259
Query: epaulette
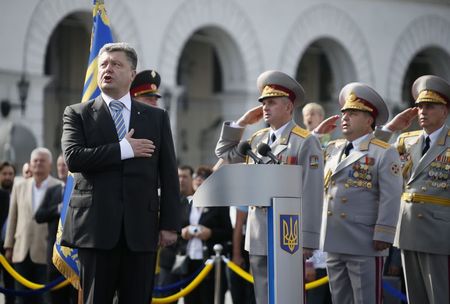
x,y
410,134
448,133
259,132
380,143
300,132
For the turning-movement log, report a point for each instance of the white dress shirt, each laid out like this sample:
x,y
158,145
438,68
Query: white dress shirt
x,y
126,151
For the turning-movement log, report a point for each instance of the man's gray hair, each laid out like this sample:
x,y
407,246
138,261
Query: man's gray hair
x,y
41,150
121,47
312,106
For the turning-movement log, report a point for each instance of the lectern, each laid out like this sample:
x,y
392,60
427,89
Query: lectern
x,y
278,188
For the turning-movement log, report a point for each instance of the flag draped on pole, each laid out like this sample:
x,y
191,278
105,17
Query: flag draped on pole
x,y
66,259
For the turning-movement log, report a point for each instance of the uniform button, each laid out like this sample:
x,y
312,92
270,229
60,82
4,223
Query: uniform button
x,y
344,200
333,183
330,197
343,215
329,213
420,215
408,187
252,207
423,189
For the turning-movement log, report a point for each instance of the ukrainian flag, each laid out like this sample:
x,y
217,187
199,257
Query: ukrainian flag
x,y
66,259
101,35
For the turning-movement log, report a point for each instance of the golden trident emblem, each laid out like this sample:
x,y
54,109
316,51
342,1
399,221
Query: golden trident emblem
x,y
290,234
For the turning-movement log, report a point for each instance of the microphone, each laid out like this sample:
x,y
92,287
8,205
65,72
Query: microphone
x,y
244,148
265,150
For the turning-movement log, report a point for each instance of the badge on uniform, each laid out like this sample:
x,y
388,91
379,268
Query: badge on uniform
x,y
314,161
289,230
395,169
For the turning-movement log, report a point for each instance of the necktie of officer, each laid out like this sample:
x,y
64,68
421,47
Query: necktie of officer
x,y
116,107
427,145
348,148
273,138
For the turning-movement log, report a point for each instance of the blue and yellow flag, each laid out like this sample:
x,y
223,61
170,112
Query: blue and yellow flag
x,y
66,259
101,35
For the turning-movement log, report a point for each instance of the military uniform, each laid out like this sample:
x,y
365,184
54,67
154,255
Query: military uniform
x,y
295,146
361,204
146,84
423,231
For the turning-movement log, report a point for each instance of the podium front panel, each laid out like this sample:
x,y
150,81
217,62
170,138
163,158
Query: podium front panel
x,y
248,185
285,258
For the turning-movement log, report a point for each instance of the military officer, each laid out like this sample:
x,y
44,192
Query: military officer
x,y
423,232
361,200
144,87
280,94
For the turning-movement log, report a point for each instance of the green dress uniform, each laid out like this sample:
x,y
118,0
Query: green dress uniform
x,y
295,146
423,231
361,205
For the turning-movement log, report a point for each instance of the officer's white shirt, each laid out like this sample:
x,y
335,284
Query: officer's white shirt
x,y
357,142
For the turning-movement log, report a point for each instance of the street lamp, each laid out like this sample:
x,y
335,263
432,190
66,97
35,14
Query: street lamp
x,y
23,86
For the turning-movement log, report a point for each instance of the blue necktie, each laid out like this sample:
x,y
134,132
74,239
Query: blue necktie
x,y
116,107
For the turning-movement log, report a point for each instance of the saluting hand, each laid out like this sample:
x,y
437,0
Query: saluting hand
x,y
142,147
327,126
402,120
251,116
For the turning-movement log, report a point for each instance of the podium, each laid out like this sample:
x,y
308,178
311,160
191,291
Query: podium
x,y
277,188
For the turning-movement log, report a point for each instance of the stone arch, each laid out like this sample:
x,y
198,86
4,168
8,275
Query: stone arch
x,y
327,23
48,13
228,20
425,32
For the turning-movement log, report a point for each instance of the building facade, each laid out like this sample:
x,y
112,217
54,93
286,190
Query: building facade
x,y
210,52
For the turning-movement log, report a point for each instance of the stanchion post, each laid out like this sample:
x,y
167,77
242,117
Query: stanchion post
x,y
218,273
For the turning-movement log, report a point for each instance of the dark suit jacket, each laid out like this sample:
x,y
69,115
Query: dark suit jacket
x,y
4,209
112,196
48,213
218,220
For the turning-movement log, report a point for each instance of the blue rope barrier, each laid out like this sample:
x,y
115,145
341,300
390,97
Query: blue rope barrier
x,y
26,293
179,284
394,292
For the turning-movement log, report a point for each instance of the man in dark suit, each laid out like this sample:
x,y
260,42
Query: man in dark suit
x,y
7,174
49,212
115,218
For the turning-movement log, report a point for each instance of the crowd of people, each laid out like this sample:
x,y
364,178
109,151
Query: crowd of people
x,y
367,202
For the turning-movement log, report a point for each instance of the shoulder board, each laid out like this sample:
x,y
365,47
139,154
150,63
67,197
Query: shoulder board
x,y
334,142
448,133
259,132
410,134
300,132
380,143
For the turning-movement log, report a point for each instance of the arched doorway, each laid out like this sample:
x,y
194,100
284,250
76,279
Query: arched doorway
x,y
65,62
324,68
429,61
209,66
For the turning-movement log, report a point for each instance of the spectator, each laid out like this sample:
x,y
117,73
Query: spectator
x,y
25,243
49,212
7,173
203,228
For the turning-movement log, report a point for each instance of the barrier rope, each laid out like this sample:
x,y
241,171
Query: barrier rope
x,y
247,276
59,283
208,267
179,284
19,278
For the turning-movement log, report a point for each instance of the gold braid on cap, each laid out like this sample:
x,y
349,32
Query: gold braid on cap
x,y
272,91
430,96
353,102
